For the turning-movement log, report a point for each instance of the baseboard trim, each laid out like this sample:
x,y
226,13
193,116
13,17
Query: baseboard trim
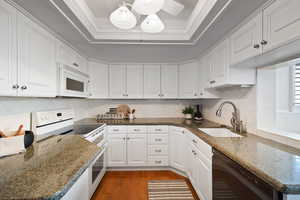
x,y
168,168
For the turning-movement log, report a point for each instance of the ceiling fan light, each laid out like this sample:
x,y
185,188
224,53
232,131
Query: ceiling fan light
x,y
123,18
148,7
152,24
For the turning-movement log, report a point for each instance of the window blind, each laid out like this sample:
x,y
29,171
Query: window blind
x,y
297,85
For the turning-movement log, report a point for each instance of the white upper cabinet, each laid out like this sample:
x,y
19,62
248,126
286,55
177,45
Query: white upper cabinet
x,y
98,87
67,56
219,64
152,81
37,63
134,81
8,51
169,81
245,42
188,80
281,23
117,81
221,74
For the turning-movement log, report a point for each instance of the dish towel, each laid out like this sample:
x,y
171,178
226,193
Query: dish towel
x,y
11,145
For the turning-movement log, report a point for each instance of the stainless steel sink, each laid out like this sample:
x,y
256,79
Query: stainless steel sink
x,y
219,132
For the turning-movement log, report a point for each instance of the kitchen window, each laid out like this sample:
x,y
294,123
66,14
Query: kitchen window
x,y
278,99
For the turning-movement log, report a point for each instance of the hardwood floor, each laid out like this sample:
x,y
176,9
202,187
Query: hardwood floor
x,y
132,185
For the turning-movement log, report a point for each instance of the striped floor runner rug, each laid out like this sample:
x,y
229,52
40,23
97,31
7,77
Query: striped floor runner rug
x,y
169,190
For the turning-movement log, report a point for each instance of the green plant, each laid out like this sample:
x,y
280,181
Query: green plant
x,y
188,110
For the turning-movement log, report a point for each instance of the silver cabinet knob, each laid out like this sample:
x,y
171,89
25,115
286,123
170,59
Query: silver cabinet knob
x,y
75,64
256,46
264,42
15,87
195,94
212,82
24,87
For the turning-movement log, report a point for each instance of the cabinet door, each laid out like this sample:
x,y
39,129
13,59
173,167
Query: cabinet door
x,y
80,189
98,87
190,167
188,76
169,81
137,149
64,54
134,81
281,23
203,178
37,63
117,81
8,50
82,63
117,150
177,149
245,42
219,65
152,81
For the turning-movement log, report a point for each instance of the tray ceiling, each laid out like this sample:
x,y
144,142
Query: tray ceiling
x,y
93,16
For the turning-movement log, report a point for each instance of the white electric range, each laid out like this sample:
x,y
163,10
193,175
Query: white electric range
x,y
59,122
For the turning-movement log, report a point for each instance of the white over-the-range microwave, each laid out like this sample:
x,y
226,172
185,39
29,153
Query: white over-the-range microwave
x,y
72,82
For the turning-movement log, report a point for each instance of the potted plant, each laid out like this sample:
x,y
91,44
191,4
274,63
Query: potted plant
x,y
188,112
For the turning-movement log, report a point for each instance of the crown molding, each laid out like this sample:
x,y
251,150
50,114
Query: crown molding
x,y
175,36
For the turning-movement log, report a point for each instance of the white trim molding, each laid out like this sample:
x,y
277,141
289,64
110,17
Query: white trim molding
x,y
183,33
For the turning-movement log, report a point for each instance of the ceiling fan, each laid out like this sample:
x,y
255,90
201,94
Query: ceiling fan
x,y
124,17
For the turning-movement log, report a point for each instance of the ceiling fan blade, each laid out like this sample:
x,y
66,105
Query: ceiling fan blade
x,y
173,7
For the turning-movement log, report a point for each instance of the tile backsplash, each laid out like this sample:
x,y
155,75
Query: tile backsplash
x,y
89,108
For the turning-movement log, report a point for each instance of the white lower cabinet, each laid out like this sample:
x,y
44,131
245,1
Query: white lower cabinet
x,y
177,148
126,149
136,149
80,189
163,146
117,150
199,167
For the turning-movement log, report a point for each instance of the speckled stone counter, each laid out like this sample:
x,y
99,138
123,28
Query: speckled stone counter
x,y
47,169
275,163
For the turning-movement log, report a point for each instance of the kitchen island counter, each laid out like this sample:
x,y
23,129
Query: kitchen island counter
x,y
47,170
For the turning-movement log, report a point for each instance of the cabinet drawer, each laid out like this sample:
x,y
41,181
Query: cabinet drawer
x,y
158,139
158,129
158,150
117,129
176,129
204,148
158,161
137,129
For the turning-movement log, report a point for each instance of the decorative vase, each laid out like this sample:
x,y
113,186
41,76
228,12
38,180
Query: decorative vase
x,y
188,116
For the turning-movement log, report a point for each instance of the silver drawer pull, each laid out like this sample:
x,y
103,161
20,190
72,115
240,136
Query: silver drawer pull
x,y
158,150
158,162
115,129
158,140
158,129
195,141
136,129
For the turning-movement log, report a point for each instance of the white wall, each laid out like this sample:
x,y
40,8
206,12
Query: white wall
x,y
87,108
245,100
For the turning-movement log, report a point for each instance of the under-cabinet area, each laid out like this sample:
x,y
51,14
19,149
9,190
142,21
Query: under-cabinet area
x,y
150,100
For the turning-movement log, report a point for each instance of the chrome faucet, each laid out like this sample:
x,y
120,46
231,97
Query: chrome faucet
x,y
236,123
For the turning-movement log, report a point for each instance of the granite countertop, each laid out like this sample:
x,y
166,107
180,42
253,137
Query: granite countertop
x,y
47,169
275,163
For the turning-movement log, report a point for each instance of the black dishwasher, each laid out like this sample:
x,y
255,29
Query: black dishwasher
x,y
233,182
